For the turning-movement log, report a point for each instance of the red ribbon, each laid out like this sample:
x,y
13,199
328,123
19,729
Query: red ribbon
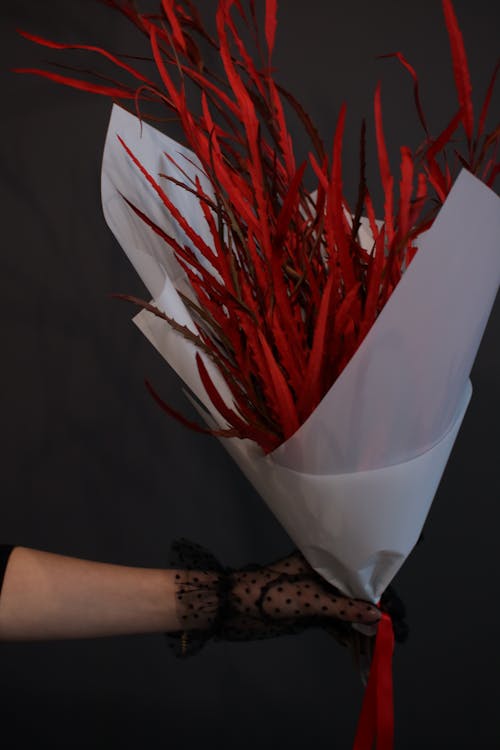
x,y
376,721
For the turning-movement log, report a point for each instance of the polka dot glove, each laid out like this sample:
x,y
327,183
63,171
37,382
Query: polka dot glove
x,y
257,602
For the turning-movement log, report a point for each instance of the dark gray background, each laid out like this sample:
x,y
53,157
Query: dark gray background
x,y
91,467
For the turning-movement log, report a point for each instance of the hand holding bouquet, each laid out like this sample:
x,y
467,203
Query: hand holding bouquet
x,y
329,348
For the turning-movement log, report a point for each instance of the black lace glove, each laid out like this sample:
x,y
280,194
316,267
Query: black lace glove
x,y
257,601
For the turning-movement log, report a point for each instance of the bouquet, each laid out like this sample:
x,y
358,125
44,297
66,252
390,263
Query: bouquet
x,y
329,350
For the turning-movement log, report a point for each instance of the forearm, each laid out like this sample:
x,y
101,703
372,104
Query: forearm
x,y
48,596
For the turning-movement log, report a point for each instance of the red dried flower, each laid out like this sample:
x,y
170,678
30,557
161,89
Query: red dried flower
x,y
293,290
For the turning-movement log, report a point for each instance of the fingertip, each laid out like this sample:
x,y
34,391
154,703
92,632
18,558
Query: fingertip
x,y
367,613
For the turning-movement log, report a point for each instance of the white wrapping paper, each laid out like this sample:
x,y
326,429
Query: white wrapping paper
x,y
354,485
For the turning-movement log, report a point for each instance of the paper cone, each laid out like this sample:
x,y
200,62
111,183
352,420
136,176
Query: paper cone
x,y
354,484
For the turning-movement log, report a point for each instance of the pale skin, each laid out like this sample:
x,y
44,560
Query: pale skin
x,y
46,596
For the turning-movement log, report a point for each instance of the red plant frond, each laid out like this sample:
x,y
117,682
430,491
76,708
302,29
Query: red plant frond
x,y
460,68
283,292
416,87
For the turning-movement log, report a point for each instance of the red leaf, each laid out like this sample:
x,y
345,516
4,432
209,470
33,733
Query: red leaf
x,y
158,230
321,172
290,359
178,36
419,200
342,314
289,204
460,68
187,422
416,92
270,24
225,411
164,74
193,236
244,430
76,83
436,177
405,192
311,395
247,60
373,283
371,216
284,405
285,140
57,45
206,83
340,239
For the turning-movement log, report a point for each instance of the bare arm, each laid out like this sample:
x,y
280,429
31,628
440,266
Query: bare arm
x,y
48,596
